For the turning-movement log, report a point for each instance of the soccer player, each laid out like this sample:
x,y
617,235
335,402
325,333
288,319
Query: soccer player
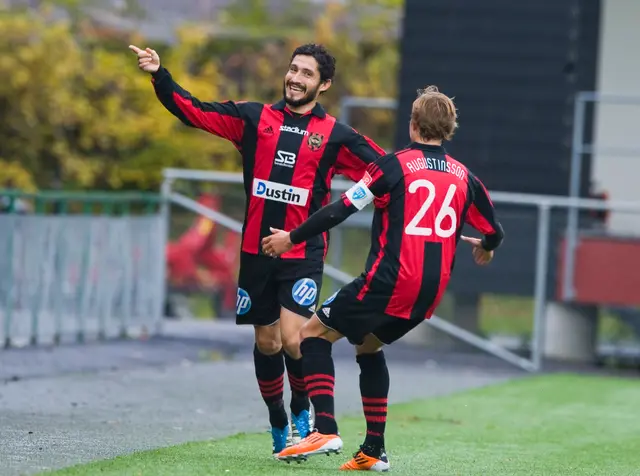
x,y
422,198
290,152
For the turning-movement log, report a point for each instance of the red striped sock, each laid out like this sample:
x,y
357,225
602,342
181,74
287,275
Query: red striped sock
x,y
374,389
270,376
319,377
299,396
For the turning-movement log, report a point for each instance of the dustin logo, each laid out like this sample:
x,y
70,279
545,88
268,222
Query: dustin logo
x,y
279,192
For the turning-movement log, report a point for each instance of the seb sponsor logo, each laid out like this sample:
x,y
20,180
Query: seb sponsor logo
x,y
294,130
285,159
280,192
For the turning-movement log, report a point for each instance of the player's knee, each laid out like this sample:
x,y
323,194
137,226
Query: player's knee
x,y
291,344
312,328
306,332
268,340
371,345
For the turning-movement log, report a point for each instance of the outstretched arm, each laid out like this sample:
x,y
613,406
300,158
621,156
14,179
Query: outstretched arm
x,y
223,119
353,200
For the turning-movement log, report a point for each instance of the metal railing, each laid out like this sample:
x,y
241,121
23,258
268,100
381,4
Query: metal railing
x,y
544,205
578,149
75,266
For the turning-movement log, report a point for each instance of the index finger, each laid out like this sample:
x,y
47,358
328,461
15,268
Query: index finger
x,y
468,239
135,49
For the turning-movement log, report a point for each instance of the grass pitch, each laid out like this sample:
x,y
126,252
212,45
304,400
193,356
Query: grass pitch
x,y
547,425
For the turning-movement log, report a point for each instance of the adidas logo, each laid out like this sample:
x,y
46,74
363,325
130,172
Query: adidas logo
x,y
268,130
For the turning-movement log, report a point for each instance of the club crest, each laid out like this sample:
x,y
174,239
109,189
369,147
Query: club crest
x,y
315,141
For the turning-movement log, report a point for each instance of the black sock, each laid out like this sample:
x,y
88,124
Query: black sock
x,y
374,389
270,376
319,377
299,396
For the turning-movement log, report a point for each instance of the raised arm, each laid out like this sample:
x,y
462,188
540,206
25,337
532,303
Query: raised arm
x,y
223,119
481,215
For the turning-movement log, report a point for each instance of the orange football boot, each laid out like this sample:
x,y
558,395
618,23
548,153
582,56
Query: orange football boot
x,y
363,462
314,444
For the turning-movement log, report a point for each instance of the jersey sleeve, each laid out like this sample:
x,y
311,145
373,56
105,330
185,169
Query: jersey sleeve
x,y
223,119
356,153
322,220
481,215
374,186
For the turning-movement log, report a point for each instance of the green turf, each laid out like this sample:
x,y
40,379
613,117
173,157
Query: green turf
x,y
548,425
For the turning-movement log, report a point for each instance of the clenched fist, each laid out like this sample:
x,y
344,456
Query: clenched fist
x,y
148,59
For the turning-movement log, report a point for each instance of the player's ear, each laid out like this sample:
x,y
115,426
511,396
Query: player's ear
x,y
324,85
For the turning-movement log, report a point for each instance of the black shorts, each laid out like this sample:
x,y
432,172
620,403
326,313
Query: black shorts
x,y
266,284
355,318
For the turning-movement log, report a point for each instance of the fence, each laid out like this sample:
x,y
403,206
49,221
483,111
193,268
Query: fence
x,y
543,204
77,266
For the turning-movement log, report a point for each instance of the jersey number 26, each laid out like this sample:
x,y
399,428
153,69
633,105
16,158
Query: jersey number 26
x,y
445,211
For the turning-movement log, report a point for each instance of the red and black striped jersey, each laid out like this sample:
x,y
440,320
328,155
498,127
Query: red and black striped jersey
x,y
422,198
288,159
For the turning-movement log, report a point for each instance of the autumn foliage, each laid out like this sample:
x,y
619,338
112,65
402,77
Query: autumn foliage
x,y
75,109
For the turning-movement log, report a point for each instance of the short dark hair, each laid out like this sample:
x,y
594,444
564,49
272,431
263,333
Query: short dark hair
x,y
326,62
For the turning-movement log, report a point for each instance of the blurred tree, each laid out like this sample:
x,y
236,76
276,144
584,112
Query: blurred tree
x,y
88,114
74,106
361,34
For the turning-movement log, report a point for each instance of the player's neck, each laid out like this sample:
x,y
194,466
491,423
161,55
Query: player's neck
x,y
437,142
305,108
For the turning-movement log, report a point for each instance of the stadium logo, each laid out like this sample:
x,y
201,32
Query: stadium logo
x,y
279,192
295,130
304,292
330,299
243,302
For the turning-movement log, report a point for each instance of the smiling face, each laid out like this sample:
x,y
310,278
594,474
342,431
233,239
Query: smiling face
x,y
302,83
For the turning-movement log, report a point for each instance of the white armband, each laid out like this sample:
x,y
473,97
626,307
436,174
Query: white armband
x,y
360,195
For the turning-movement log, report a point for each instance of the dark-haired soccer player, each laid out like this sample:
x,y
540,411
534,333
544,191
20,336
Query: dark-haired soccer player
x,y
422,198
290,152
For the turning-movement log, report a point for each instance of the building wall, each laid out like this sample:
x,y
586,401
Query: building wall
x,y
619,125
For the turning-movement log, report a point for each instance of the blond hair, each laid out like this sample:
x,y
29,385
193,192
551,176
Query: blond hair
x,y
434,114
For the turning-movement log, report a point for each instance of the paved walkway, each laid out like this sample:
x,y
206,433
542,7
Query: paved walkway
x,y
76,404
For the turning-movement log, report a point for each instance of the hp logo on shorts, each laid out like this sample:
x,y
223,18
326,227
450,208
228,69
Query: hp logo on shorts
x,y
304,292
243,302
330,298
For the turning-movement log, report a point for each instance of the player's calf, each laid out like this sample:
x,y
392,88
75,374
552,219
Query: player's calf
x,y
270,376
